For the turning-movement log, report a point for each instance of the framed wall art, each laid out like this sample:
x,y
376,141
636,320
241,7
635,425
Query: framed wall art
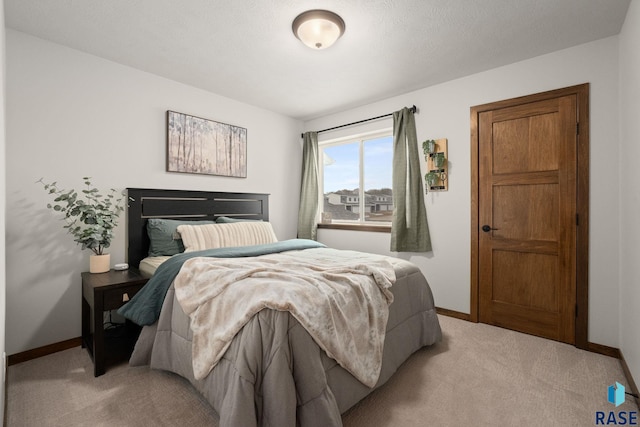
x,y
202,146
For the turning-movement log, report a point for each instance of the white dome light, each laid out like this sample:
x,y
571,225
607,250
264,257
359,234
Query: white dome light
x,y
318,29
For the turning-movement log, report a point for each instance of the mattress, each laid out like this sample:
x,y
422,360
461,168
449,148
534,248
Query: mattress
x,y
149,265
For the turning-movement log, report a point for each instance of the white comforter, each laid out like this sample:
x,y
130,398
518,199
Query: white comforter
x,y
343,306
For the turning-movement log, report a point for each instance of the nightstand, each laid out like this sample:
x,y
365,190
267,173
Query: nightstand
x,y
102,292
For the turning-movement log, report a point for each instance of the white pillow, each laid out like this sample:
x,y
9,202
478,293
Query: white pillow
x,y
212,236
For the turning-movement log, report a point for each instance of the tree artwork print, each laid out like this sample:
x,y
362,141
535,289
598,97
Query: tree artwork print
x,y
197,145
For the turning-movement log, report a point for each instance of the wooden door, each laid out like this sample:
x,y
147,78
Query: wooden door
x,y
527,216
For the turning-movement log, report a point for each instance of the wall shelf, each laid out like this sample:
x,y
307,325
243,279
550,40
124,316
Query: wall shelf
x,y
442,172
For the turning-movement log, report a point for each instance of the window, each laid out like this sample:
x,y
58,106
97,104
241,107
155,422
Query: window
x,y
356,179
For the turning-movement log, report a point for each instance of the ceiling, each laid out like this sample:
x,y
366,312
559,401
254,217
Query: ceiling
x,y
245,49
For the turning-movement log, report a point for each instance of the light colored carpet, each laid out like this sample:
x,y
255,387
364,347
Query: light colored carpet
x,y
478,375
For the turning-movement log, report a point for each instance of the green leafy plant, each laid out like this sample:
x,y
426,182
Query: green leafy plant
x,y
438,160
431,179
428,146
90,215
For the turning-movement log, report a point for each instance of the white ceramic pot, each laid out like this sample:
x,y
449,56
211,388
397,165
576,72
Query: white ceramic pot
x,y
99,263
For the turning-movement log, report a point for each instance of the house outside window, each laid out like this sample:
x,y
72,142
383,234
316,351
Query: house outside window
x,y
356,179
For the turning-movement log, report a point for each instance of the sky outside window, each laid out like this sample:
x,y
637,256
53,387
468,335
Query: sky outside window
x,y
341,168
378,155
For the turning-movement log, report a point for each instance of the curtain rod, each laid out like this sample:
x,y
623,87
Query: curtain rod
x,y
413,109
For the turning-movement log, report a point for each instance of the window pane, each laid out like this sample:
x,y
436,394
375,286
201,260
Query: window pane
x,y
341,182
378,155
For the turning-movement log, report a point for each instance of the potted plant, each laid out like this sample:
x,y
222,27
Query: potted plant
x,y
90,217
438,160
431,178
428,146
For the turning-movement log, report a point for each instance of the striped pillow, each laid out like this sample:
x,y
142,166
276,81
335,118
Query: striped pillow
x,y
212,236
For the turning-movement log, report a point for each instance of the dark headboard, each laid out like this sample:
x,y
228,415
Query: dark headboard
x,y
147,203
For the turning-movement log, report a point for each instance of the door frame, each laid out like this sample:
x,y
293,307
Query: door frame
x,y
582,203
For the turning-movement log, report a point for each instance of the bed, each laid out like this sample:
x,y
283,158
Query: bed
x,y
281,365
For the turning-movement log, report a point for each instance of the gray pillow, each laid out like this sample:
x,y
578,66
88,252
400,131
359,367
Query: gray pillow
x,y
164,239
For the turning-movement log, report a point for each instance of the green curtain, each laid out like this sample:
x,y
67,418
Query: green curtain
x,y
307,224
409,228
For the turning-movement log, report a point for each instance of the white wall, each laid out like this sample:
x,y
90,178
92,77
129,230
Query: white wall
x,y
71,115
2,213
629,189
444,112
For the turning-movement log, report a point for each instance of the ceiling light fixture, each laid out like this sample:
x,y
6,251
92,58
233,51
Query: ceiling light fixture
x,y
317,28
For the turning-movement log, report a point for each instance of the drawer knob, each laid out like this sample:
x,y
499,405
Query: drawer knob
x,y
125,297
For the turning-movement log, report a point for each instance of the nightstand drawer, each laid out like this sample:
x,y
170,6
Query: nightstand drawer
x,y
115,298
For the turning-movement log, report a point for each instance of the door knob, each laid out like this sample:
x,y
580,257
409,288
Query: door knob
x,y
487,228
